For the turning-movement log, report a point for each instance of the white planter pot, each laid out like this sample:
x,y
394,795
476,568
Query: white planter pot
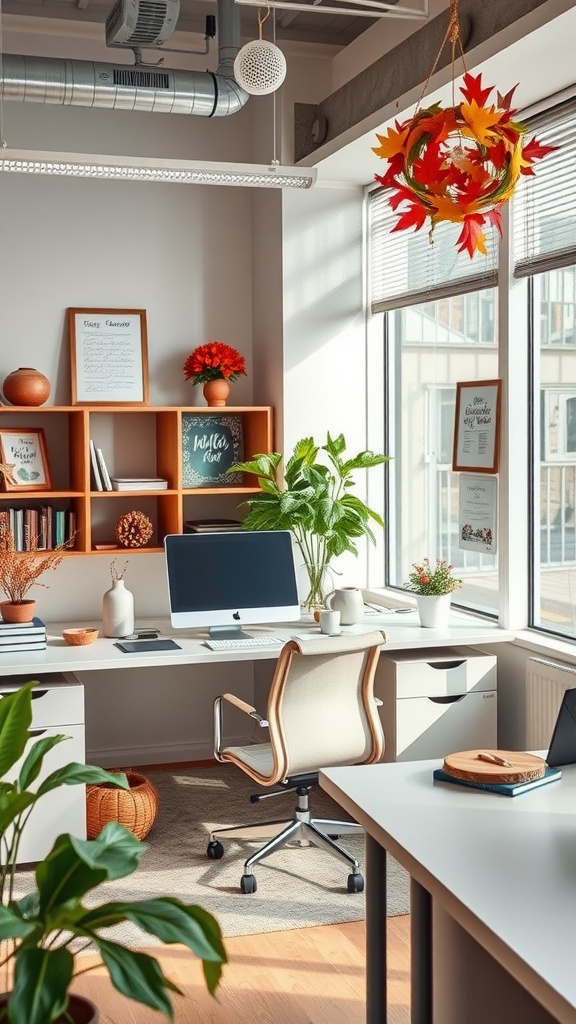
x,y
434,609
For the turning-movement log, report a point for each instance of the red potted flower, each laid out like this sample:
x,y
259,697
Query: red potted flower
x,y
214,365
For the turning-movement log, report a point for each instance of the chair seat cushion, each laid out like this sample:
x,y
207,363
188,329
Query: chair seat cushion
x,y
257,756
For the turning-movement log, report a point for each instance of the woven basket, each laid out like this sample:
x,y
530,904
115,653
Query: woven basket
x,y
135,808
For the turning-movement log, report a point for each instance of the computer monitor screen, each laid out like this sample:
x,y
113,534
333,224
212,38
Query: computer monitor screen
x,y
227,580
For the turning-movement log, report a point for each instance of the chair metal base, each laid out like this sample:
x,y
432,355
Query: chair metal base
x,y
302,830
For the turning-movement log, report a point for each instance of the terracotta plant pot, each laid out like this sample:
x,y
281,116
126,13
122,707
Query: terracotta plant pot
x,y
26,386
18,611
79,1011
216,392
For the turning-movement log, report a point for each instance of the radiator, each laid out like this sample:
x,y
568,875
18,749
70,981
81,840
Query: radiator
x,y
546,683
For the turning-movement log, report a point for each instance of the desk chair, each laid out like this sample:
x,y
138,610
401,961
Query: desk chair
x,y
321,713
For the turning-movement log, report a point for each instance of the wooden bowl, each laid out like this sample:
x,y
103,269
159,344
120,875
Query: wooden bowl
x,y
80,636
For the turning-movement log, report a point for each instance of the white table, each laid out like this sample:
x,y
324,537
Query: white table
x,y
501,870
402,632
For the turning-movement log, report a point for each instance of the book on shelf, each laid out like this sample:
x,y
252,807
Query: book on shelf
x,y
504,788
103,470
24,629
28,645
96,478
133,483
211,525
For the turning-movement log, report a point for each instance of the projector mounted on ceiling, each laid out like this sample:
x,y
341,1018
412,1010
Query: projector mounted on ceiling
x,y
141,23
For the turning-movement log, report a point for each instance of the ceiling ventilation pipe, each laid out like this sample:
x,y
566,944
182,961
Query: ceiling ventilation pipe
x,y
81,83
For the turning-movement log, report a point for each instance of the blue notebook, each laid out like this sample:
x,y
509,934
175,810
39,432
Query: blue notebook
x,y
505,788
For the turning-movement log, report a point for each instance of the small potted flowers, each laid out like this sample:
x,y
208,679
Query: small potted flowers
x,y
214,365
433,586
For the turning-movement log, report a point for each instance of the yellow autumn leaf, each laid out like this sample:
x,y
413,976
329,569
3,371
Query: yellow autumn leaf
x,y
392,143
481,120
446,209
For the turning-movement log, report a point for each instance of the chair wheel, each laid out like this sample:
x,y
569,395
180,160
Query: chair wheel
x,y
355,883
248,884
214,850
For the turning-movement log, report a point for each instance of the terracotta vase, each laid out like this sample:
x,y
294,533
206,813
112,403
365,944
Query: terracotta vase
x,y
216,391
26,386
78,1011
18,611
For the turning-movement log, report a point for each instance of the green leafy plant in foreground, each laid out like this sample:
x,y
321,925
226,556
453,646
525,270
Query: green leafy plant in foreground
x,y
40,931
314,501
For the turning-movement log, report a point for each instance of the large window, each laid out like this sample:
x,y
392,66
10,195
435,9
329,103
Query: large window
x,y
432,346
437,317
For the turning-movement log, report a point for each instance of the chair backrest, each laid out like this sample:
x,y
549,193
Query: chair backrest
x,y
321,708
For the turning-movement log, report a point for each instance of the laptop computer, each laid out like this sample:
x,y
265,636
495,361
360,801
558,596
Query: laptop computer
x,y
563,743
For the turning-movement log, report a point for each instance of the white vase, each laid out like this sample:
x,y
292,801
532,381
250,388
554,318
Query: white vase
x,y
118,610
434,609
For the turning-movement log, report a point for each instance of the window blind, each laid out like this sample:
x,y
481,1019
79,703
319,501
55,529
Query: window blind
x,y
544,205
406,268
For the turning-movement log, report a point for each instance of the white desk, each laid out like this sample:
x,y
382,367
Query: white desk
x,y
402,632
502,870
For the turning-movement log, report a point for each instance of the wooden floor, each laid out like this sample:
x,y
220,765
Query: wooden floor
x,y
308,976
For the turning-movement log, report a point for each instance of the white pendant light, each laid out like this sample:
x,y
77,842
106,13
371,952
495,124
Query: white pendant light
x,y
260,66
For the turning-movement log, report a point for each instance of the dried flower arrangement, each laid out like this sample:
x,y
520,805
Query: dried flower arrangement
x,y
20,570
115,572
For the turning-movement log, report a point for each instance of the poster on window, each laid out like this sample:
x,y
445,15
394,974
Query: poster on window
x,y
477,501
477,426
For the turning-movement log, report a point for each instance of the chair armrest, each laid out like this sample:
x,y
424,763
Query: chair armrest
x,y
241,705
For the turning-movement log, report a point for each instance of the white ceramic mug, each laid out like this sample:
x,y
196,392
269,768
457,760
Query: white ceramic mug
x,y
349,602
329,621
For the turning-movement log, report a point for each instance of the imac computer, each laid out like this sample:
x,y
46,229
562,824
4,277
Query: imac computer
x,y
224,581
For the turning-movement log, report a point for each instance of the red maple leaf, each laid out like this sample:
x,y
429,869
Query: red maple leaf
x,y
400,195
414,217
472,237
495,218
505,102
472,89
534,150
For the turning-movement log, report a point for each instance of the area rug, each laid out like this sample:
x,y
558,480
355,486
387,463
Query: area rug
x,y
297,886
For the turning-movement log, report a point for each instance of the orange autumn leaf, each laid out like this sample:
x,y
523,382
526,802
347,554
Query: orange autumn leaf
x,y
482,121
472,238
392,143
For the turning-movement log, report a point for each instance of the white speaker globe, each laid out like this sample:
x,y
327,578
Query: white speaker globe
x,y
260,67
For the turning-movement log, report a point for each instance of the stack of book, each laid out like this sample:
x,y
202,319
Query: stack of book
x,y
142,483
22,636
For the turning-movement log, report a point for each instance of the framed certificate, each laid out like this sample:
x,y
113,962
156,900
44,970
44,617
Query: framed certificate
x,y
108,356
477,426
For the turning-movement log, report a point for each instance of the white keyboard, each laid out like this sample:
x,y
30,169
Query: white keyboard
x,y
245,643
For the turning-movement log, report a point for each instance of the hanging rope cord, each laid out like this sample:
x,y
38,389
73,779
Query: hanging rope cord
x,y
452,35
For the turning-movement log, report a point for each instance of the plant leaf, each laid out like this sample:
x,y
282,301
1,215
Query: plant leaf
x,y
138,976
41,980
75,774
15,721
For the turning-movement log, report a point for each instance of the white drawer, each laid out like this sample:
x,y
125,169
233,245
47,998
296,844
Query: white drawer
x,y
62,810
433,727
57,698
435,673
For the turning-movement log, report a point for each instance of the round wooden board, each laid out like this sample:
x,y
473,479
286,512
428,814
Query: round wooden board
x,y
467,765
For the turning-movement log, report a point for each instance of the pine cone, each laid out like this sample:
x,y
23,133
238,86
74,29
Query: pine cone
x,y
134,530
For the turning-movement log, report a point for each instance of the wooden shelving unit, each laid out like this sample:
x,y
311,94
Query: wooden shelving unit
x,y
137,441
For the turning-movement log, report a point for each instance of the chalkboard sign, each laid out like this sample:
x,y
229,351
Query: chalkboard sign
x,y
210,445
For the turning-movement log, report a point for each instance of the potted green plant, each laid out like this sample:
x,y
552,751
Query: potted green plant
x,y
313,499
41,930
433,586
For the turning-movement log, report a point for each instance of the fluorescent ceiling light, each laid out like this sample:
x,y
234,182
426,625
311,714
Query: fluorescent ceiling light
x,y
81,165
358,8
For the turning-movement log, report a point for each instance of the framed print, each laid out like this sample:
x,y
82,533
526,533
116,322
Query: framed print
x,y
23,454
477,508
108,356
211,444
477,426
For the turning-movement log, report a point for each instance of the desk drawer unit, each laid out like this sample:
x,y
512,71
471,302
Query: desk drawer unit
x,y
437,701
57,707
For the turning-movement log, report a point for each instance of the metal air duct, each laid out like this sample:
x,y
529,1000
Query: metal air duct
x,y
81,83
